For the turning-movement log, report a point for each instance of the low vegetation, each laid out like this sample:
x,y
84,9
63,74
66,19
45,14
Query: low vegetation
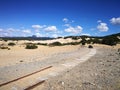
x,y
55,44
63,44
119,51
31,46
107,40
4,47
73,37
5,40
44,44
110,41
90,46
83,42
11,44
72,43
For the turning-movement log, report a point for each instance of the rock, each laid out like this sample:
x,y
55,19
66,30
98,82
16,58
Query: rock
x,y
62,83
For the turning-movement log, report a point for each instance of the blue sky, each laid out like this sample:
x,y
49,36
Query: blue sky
x,y
52,18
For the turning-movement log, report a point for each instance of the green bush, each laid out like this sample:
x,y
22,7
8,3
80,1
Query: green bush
x,y
45,44
90,46
96,41
74,43
59,37
110,41
11,44
118,49
31,46
83,41
3,47
75,38
55,44
5,40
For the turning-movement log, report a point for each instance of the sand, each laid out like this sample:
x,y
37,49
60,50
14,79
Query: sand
x,y
101,72
73,67
19,54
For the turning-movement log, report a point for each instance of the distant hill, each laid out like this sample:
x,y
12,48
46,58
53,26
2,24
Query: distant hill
x,y
113,35
26,38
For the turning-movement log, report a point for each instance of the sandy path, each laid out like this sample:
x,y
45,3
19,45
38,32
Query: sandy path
x,y
60,62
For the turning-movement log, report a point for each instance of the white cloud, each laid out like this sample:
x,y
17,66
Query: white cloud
x,y
54,35
1,29
38,26
11,30
65,20
99,21
115,21
67,25
14,32
74,30
4,33
27,31
38,35
87,34
51,28
37,30
102,27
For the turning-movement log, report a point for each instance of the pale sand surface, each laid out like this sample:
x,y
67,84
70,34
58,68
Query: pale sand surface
x,y
66,73
61,58
19,53
34,59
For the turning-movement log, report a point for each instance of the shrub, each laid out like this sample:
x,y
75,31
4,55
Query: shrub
x,y
83,41
118,49
31,46
3,47
21,60
8,48
75,38
59,37
90,46
55,44
74,43
5,40
96,40
110,41
45,44
11,44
